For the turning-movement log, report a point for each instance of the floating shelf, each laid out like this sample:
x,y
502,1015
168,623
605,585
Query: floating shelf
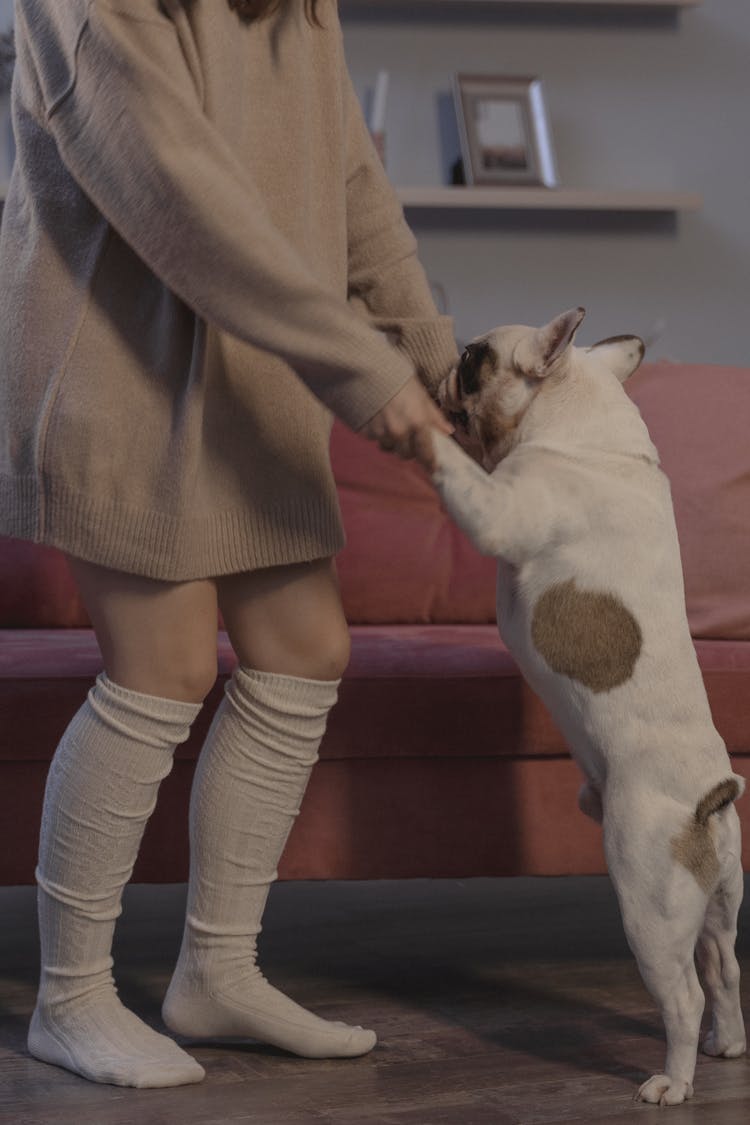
x,y
532,3
548,199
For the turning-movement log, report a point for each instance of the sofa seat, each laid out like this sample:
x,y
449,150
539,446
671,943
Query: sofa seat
x,y
438,759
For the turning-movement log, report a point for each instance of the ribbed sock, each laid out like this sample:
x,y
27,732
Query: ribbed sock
x,y
101,789
248,786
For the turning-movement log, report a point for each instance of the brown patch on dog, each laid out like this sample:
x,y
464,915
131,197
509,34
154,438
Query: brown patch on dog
x,y
495,425
588,636
694,847
497,433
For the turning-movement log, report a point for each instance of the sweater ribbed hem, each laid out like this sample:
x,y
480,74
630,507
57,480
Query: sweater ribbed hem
x,y
174,549
19,506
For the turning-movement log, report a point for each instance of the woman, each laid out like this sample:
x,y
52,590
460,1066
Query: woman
x,y
202,259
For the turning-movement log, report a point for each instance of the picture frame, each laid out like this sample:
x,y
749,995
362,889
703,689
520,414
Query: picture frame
x,y
504,130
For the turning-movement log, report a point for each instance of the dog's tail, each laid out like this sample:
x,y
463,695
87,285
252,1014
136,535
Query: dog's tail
x,y
695,847
719,798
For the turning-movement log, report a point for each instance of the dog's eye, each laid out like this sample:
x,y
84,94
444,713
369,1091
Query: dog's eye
x,y
468,372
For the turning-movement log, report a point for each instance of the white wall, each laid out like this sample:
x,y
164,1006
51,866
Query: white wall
x,y
644,100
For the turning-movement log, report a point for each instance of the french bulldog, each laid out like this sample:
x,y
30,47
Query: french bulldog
x,y
553,473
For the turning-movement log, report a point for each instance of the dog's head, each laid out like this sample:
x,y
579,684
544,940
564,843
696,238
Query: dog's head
x,y
500,374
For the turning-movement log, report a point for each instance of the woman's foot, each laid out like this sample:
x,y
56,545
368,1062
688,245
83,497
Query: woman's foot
x,y
101,1040
253,1009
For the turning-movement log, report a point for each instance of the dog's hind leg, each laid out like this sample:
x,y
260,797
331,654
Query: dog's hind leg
x,y
667,967
715,951
662,912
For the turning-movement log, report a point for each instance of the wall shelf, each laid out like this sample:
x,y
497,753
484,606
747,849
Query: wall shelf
x,y
548,199
530,3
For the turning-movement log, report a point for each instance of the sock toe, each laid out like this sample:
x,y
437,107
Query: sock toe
x,y
361,1042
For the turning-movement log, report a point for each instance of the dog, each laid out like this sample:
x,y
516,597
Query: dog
x,y
552,471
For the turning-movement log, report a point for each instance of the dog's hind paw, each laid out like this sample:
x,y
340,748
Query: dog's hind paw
x,y
663,1090
724,1047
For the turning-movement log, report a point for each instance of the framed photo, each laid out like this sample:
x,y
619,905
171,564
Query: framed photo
x,y
505,138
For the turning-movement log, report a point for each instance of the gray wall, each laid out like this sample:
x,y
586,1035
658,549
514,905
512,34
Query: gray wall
x,y
644,100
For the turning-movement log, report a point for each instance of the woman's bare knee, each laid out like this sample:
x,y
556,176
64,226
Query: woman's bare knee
x,y
322,656
158,638
171,676
288,620
326,658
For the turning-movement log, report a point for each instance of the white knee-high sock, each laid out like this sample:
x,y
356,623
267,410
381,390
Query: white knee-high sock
x,y
248,786
101,789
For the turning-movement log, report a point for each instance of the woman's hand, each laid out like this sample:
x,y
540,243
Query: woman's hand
x,y
403,425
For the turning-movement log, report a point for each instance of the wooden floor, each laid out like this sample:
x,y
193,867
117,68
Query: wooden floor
x,y
497,1002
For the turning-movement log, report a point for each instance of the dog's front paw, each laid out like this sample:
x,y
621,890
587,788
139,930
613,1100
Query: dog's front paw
x,y
663,1090
441,450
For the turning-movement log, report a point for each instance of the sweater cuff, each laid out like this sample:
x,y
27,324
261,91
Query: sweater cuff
x,y
430,345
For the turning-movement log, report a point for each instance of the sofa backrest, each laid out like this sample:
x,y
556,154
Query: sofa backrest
x,y
405,561
36,588
699,420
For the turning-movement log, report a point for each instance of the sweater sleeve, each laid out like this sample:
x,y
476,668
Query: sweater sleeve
x,y
387,284
132,132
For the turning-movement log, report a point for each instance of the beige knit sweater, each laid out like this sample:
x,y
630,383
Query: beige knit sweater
x,y
201,256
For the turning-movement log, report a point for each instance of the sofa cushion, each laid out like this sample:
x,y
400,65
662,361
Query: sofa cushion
x,y
404,560
448,691
698,419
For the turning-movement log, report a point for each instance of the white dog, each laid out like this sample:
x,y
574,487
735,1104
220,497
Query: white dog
x,y
590,601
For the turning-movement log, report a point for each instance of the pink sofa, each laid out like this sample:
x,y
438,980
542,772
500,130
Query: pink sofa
x,y
438,759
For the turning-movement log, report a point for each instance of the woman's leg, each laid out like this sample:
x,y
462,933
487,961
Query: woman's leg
x,y
288,620
156,637
292,640
158,642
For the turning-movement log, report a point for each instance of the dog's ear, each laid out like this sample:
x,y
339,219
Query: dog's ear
x,y
622,354
535,353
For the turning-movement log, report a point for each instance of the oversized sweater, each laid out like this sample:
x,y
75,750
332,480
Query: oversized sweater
x,y
202,260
